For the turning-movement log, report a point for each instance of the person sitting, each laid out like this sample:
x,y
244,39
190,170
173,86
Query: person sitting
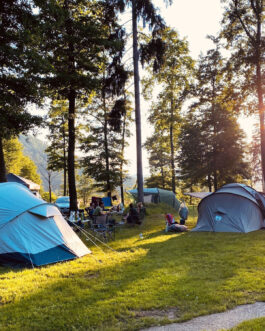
x,y
120,208
133,215
90,209
183,213
172,225
99,210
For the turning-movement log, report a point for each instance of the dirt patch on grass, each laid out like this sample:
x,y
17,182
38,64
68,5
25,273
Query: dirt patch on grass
x,y
171,313
91,275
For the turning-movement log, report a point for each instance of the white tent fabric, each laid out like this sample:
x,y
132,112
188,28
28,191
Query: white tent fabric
x,y
199,195
148,198
33,231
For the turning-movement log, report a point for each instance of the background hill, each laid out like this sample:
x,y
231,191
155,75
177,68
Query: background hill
x,y
35,149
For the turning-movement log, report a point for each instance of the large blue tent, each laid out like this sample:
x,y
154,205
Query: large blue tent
x,y
32,231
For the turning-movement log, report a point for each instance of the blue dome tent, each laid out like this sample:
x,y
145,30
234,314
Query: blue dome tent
x,y
32,231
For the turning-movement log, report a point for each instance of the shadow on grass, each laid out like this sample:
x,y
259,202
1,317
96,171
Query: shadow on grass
x,y
190,271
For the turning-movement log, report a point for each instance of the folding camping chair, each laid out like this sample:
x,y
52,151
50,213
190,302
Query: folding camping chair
x,y
103,227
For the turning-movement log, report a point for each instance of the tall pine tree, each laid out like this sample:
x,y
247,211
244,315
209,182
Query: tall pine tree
x,y
76,35
243,29
174,79
20,64
212,146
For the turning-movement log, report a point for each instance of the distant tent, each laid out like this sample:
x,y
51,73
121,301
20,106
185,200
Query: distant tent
x,y
32,231
33,187
232,208
157,195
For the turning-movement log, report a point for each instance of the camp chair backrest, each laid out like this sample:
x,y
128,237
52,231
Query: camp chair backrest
x,y
102,219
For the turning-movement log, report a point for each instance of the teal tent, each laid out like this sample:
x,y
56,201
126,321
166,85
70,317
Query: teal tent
x,y
157,195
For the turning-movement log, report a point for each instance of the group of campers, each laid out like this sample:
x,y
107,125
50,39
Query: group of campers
x,y
134,215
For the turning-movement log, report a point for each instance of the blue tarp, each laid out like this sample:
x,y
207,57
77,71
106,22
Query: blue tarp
x,y
107,201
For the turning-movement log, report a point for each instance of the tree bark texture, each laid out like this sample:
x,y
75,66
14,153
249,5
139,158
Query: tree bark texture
x,y
71,152
71,117
2,163
260,100
209,182
140,184
50,187
122,156
106,147
162,175
173,172
64,162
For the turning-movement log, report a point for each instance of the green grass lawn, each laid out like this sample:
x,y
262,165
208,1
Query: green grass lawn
x,y
162,278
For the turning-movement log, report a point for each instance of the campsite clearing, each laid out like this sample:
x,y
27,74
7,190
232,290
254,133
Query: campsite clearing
x,y
160,279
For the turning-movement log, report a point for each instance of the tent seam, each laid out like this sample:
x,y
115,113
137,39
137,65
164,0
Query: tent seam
x,y
28,210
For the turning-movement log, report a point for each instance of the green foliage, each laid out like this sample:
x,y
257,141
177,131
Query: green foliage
x,y
158,180
242,30
137,286
256,324
29,170
76,34
57,151
18,163
212,147
19,81
159,161
46,196
175,79
84,189
58,137
104,145
78,37
19,57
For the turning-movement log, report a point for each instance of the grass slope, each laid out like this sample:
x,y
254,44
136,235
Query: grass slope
x,y
159,279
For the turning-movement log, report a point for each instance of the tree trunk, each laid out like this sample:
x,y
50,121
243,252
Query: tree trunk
x,y
260,103
71,115
122,191
162,175
106,147
64,162
209,182
50,187
173,172
140,183
122,156
191,190
2,163
215,181
71,152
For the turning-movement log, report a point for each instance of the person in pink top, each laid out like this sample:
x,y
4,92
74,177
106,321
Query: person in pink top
x,y
172,225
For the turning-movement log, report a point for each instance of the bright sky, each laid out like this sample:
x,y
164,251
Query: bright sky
x,y
194,20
